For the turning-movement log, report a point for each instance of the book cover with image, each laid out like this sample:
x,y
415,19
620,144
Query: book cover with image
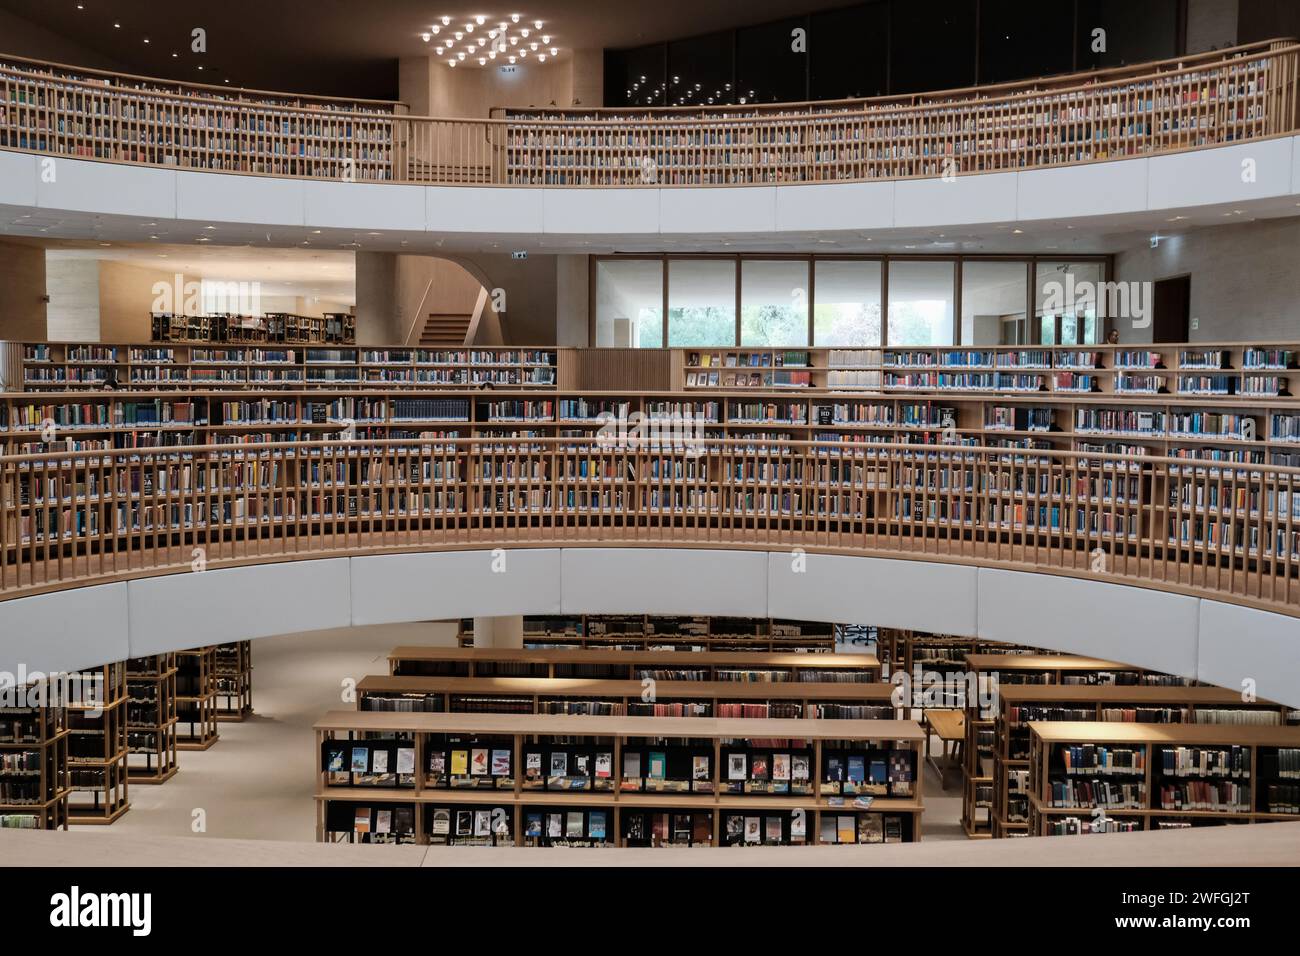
x,y
361,820
631,765
554,826
482,823
379,761
533,825
857,769
799,768
559,764
700,767
406,760
441,821
533,765
596,824
604,765
582,765
383,821
459,763
464,822
334,762
360,759
501,763
658,766
758,768
772,829
752,832
780,766
848,830
478,762
573,828
736,767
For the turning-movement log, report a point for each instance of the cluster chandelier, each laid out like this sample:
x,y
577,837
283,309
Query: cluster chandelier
x,y
481,39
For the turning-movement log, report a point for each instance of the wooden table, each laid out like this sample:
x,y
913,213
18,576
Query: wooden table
x,y
950,727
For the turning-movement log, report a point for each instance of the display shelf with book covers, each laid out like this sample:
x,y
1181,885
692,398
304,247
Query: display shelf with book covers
x,y
805,769
986,675
1090,777
97,745
1022,704
151,718
607,664
651,631
196,698
644,698
234,681
34,784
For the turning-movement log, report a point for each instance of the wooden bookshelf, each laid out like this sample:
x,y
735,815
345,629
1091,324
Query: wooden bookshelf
x,y
151,718
648,631
989,674
234,681
1018,706
621,767
408,661
620,698
1254,776
97,745
196,698
34,785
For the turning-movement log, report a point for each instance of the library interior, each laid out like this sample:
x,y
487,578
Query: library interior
x,y
781,433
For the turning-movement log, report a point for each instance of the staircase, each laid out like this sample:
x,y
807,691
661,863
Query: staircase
x,y
445,330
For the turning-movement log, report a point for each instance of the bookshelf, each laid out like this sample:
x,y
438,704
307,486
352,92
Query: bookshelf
x,y
196,698
1088,777
295,393
1018,706
987,673
276,328
622,698
34,785
648,631
730,666
234,681
151,718
503,775
97,745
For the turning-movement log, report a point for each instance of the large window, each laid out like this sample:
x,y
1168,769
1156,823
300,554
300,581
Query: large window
x,y
701,302
630,303
1067,305
846,306
774,302
994,299
920,302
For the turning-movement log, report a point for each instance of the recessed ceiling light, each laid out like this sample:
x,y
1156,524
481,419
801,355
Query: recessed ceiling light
x,y
480,19
435,28
514,18
425,37
146,39
117,26
446,21
546,38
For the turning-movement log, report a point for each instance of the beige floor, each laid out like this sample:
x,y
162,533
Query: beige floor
x,y
256,782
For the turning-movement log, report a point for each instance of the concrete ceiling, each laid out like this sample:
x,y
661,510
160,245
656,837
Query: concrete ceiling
x,y
342,48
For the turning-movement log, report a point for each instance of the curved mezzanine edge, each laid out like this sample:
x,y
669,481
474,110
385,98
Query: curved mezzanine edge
x,y
1198,179
1216,642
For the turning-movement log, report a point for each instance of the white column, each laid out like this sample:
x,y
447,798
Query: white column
x,y
499,632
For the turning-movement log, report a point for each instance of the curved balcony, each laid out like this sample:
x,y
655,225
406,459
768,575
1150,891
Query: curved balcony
x,y
1227,97
1159,562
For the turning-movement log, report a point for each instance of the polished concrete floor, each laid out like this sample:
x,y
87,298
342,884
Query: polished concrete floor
x,y
256,782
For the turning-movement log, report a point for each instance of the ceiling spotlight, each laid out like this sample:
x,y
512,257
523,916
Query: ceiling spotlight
x,y
538,24
451,62
446,21
555,51
523,53
532,46
459,35
438,50
512,59
546,38
424,37
435,28
514,41
482,41
469,28
479,20
492,54
541,58
514,18
460,55
524,33
175,55
492,34
117,26
146,39
502,26
482,61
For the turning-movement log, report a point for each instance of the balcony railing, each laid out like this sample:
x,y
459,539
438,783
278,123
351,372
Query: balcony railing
x,y
1230,532
1231,96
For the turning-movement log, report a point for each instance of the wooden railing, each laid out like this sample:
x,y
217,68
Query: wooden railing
x,y
1222,531
1247,93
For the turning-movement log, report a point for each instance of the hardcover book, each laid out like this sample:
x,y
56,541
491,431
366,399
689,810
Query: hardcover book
x,y
360,759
